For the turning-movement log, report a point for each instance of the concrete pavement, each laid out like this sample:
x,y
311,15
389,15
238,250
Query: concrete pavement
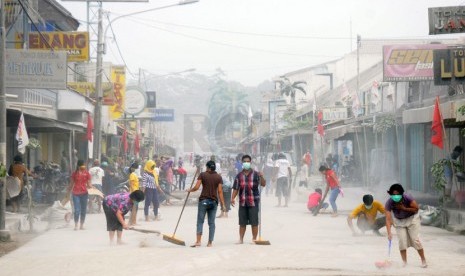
x,y
301,244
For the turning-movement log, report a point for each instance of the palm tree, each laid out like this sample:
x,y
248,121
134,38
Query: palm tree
x,y
288,88
228,107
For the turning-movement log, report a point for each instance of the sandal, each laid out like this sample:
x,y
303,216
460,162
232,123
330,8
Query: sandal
x,y
195,245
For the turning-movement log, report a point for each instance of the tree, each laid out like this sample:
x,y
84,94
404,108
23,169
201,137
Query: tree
x,y
288,88
228,108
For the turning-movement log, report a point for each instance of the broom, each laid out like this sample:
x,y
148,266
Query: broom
x,y
172,238
386,263
260,241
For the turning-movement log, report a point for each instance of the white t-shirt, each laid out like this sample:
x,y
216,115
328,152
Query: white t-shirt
x,y
96,174
218,168
283,166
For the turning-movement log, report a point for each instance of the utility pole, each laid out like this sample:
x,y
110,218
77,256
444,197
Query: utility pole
x,y
98,89
4,234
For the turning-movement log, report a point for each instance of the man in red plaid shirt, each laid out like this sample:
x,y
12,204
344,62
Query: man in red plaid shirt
x,y
246,185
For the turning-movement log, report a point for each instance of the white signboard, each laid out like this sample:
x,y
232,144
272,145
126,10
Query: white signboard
x,y
35,69
334,113
134,101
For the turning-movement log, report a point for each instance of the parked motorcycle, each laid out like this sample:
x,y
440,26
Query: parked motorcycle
x,y
50,182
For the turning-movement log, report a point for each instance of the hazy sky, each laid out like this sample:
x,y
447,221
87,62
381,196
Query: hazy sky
x,y
252,40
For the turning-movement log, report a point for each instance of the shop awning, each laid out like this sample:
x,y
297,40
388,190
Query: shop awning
x,y
338,131
425,114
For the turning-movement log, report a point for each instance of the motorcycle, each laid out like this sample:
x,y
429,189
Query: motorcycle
x,y
50,182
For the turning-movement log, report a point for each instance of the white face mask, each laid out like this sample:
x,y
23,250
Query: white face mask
x,y
369,206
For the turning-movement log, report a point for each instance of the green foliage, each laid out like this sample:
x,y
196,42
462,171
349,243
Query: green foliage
x,y
292,123
2,170
384,123
437,171
462,112
33,143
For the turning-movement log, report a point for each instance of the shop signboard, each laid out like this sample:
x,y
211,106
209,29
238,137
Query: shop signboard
x,y
446,20
449,66
163,115
76,44
35,69
409,62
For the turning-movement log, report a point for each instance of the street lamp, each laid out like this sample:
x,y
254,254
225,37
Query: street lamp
x,y
99,71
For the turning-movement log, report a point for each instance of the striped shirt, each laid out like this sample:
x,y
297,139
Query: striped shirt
x,y
148,180
248,186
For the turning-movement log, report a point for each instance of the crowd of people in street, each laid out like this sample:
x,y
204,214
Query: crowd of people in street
x,y
154,180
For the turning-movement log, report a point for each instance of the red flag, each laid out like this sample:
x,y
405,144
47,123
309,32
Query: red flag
x,y
90,127
136,144
436,128
320,128
124,141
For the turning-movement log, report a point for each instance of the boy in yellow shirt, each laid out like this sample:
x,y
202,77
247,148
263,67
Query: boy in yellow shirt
x,y
366,216
133,186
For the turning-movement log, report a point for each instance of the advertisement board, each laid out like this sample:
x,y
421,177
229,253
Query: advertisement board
x,y
334,113
449,66
76,44
409,62
446,20
118,78
88,89
35,69
164,115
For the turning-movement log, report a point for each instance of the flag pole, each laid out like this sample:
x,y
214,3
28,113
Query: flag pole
x,y
446,149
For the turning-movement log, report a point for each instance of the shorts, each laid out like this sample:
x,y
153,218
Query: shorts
x,y
248,215
282,187
408,230
112,221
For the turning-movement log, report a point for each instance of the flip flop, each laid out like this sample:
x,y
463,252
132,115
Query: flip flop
x,y
195,245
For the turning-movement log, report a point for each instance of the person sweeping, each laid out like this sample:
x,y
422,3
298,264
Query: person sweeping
x,y
246,185
402,212
115,207
208,201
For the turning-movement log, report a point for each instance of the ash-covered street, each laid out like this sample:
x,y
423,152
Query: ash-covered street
x,y
301,244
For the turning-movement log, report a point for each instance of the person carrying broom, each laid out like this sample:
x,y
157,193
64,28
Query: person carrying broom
x,y
246,185
208,201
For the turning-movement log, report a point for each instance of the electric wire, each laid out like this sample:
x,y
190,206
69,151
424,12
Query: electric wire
x,y
117,46
236,46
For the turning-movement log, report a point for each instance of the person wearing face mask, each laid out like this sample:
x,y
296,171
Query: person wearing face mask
x,y
246,185
80,182
402,212
366,216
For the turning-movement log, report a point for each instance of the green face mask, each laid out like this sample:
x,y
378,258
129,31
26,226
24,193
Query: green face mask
x,y
396,198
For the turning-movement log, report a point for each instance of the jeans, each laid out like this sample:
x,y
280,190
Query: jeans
x,y
207,206
80,207
182,182
332,198
151,197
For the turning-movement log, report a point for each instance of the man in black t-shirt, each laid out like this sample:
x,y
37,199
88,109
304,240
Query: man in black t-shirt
x,y
208,201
